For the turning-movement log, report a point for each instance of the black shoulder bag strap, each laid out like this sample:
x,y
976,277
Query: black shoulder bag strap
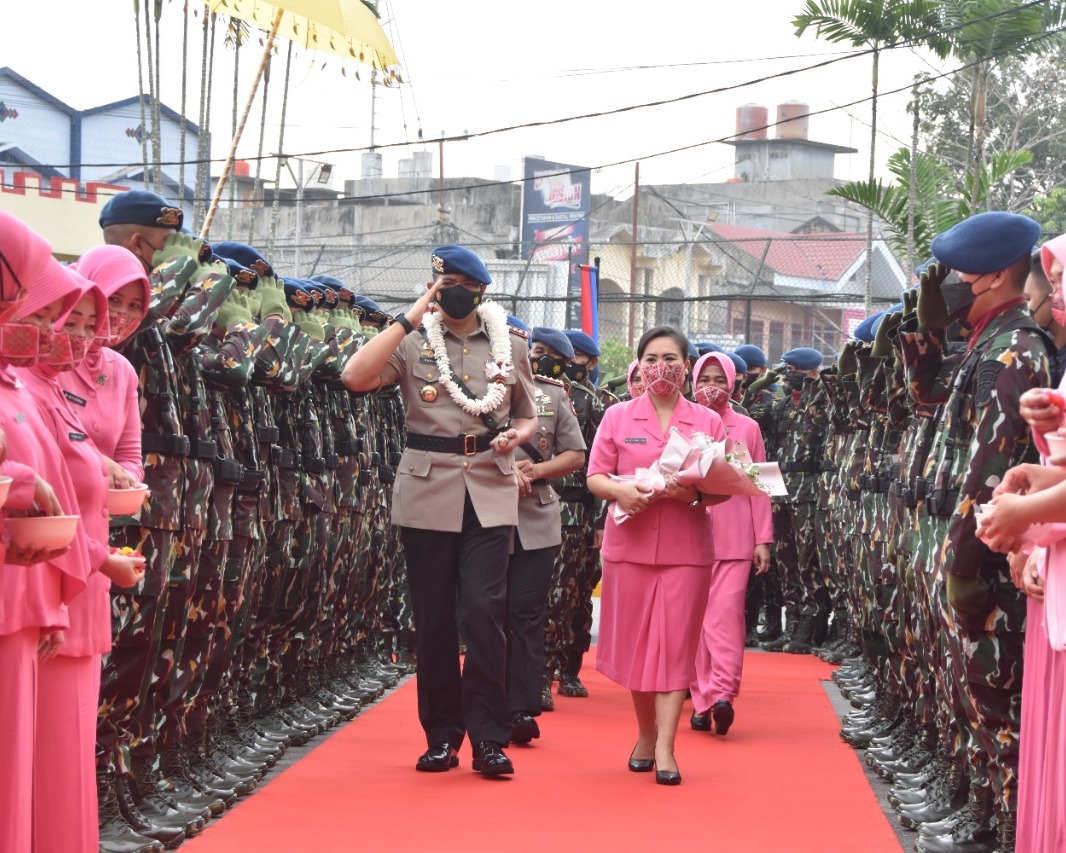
x,y
486,417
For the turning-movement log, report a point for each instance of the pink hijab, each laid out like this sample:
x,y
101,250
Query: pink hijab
x,y
720,358
1055,250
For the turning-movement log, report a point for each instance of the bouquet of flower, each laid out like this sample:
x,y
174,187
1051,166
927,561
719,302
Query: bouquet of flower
x,y
734,473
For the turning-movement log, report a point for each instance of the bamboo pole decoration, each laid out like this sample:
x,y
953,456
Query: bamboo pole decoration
x,y
228,168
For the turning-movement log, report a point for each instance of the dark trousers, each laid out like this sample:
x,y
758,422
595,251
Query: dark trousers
x,y
458,583
529,575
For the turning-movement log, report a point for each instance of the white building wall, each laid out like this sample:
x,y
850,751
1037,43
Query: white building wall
x,y
41,130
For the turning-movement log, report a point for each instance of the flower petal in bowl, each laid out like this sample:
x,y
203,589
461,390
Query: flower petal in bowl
x,y
5,484
126,501
47,532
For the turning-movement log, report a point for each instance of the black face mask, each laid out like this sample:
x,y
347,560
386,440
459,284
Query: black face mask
x,y
457,302
546,365
577,372
795,381
958,294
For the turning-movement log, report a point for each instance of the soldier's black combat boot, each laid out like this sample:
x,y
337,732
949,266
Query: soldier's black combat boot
x,y
169,835
769,629
972,833
784,634
802,640
944,800
1006,831
116,835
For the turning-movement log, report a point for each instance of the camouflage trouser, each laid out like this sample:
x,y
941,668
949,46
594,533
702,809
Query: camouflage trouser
x,y
251,638
810,582
278,576
563,590
201,634
126,714
581,614
310,548
173,670
238,593
332,619
786,559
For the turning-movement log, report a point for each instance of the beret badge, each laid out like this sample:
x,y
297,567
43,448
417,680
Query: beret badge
x,y
169,217
438,264
301,298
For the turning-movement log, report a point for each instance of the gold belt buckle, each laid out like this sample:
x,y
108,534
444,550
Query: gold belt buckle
x,y
469,444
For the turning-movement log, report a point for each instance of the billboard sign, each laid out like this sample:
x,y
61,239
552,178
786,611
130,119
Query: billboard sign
x,y
556,200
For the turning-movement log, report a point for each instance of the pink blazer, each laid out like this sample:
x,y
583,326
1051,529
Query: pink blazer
x,y
668,532
102,391
742,522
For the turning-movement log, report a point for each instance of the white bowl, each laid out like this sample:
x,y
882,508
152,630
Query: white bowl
x,y
1056,443
5,484
42,532
126,501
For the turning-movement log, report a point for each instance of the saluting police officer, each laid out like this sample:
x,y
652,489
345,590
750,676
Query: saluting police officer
x,y
470,401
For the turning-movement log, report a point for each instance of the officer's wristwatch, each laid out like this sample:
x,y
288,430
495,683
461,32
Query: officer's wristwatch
x,y
401,318
698,501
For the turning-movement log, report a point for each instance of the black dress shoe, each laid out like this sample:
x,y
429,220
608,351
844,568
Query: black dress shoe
x,y
490,760
523,728
700,722
438,758
722,712
667,777
641,765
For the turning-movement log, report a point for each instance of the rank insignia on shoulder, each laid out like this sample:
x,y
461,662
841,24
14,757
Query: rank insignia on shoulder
x,y
521,333
549,380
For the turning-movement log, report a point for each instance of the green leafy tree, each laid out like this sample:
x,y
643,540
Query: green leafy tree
x,y
1050,212
614,359
873,24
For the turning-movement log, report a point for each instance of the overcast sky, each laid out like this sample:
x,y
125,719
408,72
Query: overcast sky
x,y
481,65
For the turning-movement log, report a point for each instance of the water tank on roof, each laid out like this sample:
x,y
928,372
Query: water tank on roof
x,y
751,121
792,120
242,169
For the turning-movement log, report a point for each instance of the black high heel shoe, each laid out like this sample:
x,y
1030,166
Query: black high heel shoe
x,y
667,777
641,765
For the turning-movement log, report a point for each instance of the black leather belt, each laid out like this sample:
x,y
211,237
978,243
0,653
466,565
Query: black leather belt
x,y
467,445
284,458
228,471
203,449
171,445
267,434
800,467
251,483
314,466
346,447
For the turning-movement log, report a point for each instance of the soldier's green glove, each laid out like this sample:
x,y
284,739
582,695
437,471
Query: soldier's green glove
x,y
968,597
846,363
310,324
272,299
910,301
764,381
233,311
253,298
932,311
178,245
882,347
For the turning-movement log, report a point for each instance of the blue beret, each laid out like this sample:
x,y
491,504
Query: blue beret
x,y
738,363
369,309
344,294
512,320
583,342
140,207
318,292
704,347
241,274
552,338
244,254
986,242
866,330
459,260
753,355
297,296
693,353
803,358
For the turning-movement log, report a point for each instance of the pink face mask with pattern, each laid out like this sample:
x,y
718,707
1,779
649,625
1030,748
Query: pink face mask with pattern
x,y
122,325
68,351
713,397
25,344
663,378
1058,306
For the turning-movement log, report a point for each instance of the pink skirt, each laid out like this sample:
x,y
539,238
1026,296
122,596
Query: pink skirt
x,y
650,623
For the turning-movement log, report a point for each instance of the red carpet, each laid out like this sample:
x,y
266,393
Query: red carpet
x,y
781,780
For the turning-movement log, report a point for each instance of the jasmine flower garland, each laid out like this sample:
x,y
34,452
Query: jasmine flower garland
x,y
497,367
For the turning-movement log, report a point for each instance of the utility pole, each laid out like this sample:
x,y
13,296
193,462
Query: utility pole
x,y
633,255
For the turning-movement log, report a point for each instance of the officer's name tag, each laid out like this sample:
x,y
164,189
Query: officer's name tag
x,y
422,359
636,441
74,398
76,436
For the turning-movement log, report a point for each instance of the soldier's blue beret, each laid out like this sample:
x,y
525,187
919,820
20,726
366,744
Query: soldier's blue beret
x,y
459,260
317,291
583,342
344,294
512,320
370,309
242,253
704,347
740,364
552,338
693,353
866,330
922,267
753,355
877,322
986,242
803,358
140,207
297,296
241,274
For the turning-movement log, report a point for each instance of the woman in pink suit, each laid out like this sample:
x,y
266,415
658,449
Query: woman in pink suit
x,y
65,802
36,586
657,564
742,533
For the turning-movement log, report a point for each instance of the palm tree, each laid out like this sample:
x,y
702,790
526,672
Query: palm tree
x,y
985,32
874,24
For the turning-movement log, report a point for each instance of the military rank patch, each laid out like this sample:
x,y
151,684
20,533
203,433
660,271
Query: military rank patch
x,y
987,374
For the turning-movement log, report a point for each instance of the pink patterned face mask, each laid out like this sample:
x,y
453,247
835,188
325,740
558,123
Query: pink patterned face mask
x,y
663,378
122,325
68,351
713,397
25,344
1058,306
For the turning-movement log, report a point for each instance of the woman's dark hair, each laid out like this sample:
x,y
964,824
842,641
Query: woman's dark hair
x,y
662,332
1036,269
